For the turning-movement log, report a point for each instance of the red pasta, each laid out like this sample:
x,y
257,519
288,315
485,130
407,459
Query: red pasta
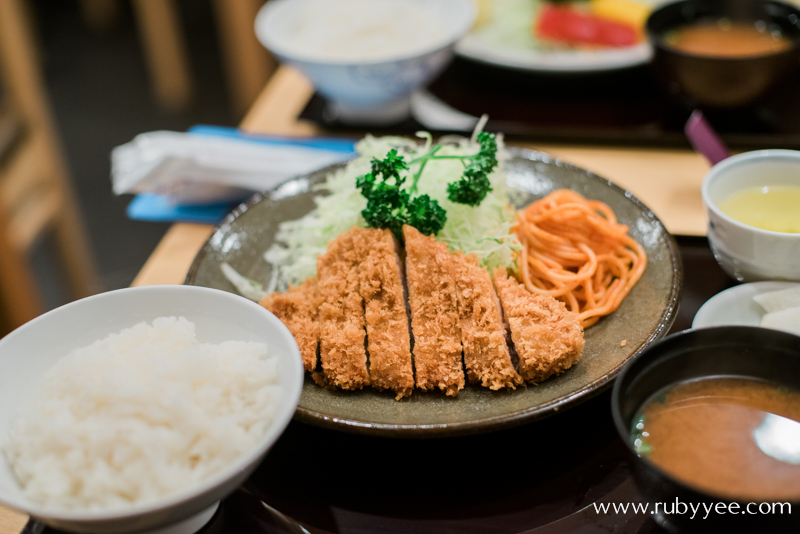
x,y
575,250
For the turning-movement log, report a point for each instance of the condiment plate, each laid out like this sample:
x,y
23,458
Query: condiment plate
x,y
644,316
735,306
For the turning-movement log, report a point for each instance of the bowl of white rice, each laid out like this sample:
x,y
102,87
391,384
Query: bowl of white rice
x,y
138,410
365,56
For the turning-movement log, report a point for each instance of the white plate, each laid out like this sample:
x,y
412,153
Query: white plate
x,y
504,41
735,306
474,47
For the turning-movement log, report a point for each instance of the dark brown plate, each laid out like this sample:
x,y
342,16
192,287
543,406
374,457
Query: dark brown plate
x,y
644,316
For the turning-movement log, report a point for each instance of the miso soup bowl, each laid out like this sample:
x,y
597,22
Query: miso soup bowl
x,y
27,353
745,252
730,351
722,82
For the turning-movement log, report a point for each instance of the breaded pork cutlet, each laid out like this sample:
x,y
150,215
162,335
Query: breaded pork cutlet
x,y
341,315
548,338
388,338
434,313
297,309
483,334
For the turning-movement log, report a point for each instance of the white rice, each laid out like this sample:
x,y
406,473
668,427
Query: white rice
x,y
139,415
363,30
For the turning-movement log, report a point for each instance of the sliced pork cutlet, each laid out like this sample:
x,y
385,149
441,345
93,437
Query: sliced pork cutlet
x,y
548,338
341,315
483,333
297,309
388,338
434,313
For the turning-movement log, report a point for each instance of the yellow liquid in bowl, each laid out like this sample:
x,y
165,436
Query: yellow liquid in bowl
x,y
769,208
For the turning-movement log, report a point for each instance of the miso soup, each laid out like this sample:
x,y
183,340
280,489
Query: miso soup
x,y
724,38
736,438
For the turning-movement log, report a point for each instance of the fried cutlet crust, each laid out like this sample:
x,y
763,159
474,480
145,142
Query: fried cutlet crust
x,y
297,309
483,334
381,287
341,315
548,338
434,313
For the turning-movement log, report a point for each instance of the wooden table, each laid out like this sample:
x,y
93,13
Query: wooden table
x,y
668,181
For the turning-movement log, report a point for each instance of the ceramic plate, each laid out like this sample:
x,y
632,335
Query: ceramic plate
x,y
644,316
506,41
568,61
735,306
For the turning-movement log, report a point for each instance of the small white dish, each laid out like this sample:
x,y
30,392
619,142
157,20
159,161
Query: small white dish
x,y
735,306
28,352
745,252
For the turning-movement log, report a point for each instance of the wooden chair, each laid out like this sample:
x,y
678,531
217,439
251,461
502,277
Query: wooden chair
x,y
35,193
247,64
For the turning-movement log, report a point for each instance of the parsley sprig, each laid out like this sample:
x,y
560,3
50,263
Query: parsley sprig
x,y
391,206
474,185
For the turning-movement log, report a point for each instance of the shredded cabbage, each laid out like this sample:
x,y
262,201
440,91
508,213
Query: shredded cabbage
x,y
484,230
245,286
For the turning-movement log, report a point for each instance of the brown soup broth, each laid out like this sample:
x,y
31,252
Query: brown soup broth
x,y
722,38
701,432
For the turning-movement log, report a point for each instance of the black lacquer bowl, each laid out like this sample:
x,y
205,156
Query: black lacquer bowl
x,y
723,82
737,351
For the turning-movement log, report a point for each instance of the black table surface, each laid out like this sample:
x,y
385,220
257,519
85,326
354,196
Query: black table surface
x,y
621,107
544,477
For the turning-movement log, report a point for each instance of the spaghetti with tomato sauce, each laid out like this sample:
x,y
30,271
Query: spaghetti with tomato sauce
x,y
575,250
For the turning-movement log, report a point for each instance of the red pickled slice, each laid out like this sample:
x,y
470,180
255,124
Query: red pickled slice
x,y
566,25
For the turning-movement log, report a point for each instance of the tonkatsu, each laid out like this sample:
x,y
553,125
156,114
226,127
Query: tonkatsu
x,y
297,308
434,313
547,337
441,323
341,314
381,287
483,334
